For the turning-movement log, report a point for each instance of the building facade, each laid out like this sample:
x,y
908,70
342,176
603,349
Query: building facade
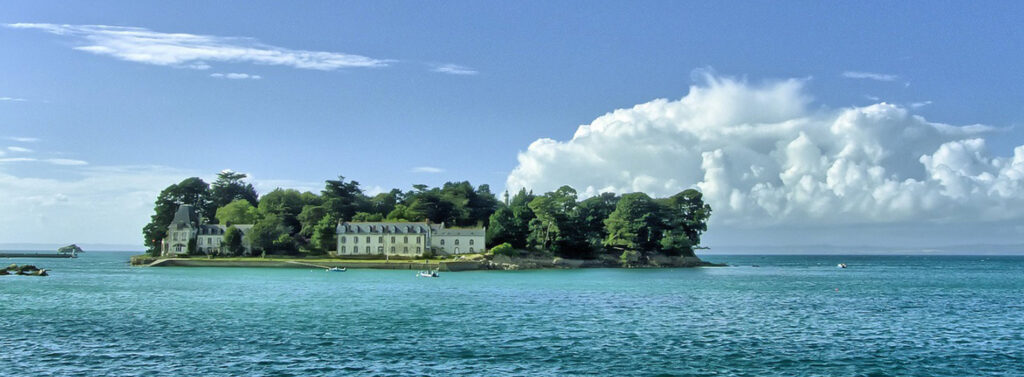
x,y
188,226
406,239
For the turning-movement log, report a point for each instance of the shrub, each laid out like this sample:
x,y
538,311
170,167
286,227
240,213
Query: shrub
x,y
505,249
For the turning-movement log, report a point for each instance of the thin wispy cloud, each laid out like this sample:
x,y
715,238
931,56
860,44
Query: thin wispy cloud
x,y
427,169
66,162
236,76
454,69
921,104
12,99
870,76
16,159
23,139
142,45
19,149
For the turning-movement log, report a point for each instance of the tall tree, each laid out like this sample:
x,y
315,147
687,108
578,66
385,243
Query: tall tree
x,y
231,186
286,204
343,199
237,212
635,224
324,234
193,191
232,243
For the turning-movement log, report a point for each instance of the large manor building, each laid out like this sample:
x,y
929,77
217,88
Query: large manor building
x,y
407,239
187,225
353,238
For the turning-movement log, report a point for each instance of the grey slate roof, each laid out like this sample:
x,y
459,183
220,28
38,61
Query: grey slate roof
x,y
184,216
460,232
383,227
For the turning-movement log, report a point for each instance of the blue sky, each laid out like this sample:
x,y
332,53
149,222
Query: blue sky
x,y
431,92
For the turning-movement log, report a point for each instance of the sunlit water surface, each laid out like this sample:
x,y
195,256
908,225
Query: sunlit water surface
x,y
792,315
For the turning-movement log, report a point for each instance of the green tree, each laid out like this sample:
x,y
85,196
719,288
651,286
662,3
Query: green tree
x,y
630,258
635,224
403,212
286,204
590,216
229,187
192,248
232,243
366,216
343,199
265,232
237,212
193,191
309,217
324,234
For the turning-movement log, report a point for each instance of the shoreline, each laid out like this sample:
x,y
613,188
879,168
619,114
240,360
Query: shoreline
x,y
480,264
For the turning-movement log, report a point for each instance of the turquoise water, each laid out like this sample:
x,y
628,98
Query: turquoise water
x,y
794,315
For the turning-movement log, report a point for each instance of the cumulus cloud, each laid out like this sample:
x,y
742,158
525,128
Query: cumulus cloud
x,y
427,169
870,76
454,69
762,157
194,51
235,76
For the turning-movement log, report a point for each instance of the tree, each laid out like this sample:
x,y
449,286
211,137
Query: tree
x,y
686,219
343,199
193,249
191,191
590,216
232,242
237,212
630,258
402,212
324,234
366,216
635,224
229,187
265,232
505,249
286,204
309,217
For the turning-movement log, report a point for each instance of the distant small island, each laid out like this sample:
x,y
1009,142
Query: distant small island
x,y
227,221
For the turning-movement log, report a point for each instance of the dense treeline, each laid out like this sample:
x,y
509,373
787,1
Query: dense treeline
x,y
288,221
627,226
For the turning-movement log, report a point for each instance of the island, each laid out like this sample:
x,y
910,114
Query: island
x,y
455,227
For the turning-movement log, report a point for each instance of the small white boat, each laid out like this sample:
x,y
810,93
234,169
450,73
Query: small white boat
x,y
841,265
427,274
336,269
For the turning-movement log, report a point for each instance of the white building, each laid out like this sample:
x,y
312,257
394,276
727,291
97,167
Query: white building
x,y
187,226
406,239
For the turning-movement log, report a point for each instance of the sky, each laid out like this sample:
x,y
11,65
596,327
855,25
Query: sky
x,y
867,124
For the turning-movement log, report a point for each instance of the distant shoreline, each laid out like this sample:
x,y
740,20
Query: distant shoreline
x,y
479,264
34,255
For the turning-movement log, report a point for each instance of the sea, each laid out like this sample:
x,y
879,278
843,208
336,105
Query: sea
x,y
777,315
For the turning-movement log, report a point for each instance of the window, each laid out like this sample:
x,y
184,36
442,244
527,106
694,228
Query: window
x,y
392,249
456,241
470,249
367,239
442,242
342,249
470,241
456,250
417,249
380,239
405,239
367,249
417,239
380,249
392,239
342,239
405,250
355,239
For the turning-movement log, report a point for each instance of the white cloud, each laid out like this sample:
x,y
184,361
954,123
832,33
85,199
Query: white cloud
x,y
917,105
194,51
427,169
761,157
454,69
870,76
23,139
66,162
19,149
12,99
235,76
16,159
